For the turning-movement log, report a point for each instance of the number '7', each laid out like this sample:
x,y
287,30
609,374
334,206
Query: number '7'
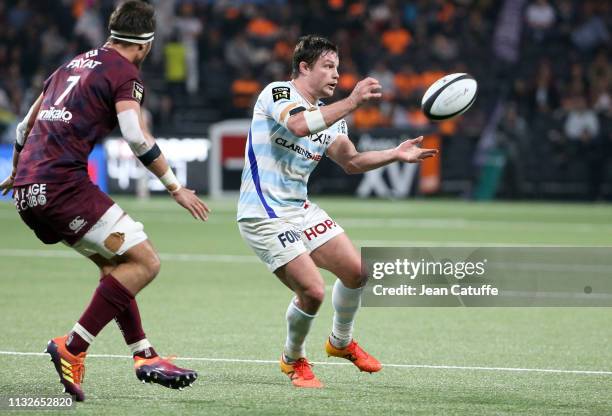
x,y
72,82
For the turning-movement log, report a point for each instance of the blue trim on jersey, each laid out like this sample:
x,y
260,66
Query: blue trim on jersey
x,y
255,174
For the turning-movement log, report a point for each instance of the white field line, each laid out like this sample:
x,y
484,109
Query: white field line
x,y
240,258
463,223
67,254
415,366
432,243
376,222
455,243
212,258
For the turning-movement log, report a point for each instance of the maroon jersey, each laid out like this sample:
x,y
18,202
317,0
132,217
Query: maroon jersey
x,y
78,110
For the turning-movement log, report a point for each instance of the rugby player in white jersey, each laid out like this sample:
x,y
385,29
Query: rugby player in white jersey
x,y
290,132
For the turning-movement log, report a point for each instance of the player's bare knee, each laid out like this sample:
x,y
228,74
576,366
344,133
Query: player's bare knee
x,y
147,258
315,294
147,263
152,265
354,278
360,279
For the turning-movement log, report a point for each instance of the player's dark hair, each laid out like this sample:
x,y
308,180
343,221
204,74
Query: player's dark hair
x,y
132,16
308,49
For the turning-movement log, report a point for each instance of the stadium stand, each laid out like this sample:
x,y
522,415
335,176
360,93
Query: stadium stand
x,y
543,68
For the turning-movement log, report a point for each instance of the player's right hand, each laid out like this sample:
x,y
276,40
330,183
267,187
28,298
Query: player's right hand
x,y
410,152
188,200
7,184
365,90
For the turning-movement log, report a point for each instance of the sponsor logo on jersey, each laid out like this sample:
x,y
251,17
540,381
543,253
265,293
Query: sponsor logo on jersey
x,y
322,138
297,149
138,91
343,129
289,237
32,196
83,63
280,93
55,114
76,224
321,228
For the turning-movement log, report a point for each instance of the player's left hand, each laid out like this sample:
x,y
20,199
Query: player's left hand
x,y
7,184
410,152
188,200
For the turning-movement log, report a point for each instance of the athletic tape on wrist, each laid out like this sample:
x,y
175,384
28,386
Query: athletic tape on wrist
x,y
170,181
315,121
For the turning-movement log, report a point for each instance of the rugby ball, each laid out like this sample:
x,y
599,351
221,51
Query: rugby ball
x,y
449,96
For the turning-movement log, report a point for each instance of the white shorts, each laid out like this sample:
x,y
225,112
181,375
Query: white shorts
x,y
112,235
277,241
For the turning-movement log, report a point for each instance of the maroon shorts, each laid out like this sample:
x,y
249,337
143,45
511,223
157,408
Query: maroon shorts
x,y
61,211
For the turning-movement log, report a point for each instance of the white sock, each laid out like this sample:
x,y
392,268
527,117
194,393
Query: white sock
x,y
83,333
346,304
298,326
142,345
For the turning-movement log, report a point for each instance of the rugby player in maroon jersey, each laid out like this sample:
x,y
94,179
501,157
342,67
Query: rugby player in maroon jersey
x,y
81,102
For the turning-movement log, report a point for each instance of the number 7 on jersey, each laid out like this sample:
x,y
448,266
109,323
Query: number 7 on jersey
x,y
72,82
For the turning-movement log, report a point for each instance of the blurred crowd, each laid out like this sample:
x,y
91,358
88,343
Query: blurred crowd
x,y
558,118
211,59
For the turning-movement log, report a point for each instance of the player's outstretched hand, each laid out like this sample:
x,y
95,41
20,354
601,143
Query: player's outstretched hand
x,y
365,90
7,184
188,200
410,152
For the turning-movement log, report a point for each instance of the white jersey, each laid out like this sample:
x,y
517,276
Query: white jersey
x,y
277,163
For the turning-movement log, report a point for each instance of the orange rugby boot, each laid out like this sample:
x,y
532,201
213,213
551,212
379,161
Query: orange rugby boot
x,y
355,354
69,367
300,373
